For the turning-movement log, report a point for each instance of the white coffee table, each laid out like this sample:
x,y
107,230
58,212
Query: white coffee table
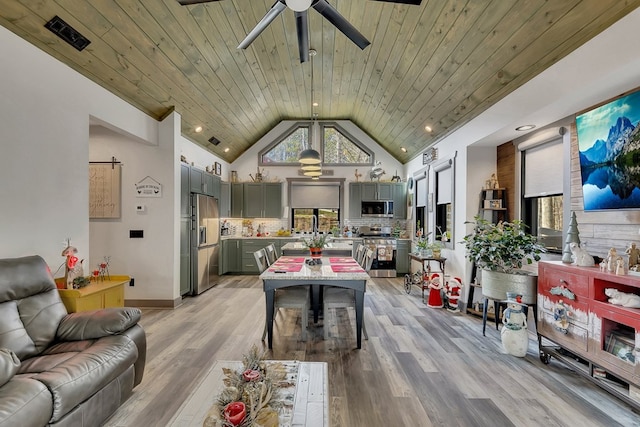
x,y
310,401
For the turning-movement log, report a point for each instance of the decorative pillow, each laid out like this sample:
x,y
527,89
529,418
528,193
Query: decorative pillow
x,y
9,364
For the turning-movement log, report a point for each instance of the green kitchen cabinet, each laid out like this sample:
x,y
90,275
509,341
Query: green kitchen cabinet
x,y
237,199
400,200
225,200
355,199
262,200
376,191
402,257
231,254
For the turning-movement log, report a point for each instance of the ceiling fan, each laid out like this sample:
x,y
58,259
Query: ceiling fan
x,y
300,8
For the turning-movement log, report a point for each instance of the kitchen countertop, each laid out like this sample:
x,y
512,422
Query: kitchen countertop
x,y
330,246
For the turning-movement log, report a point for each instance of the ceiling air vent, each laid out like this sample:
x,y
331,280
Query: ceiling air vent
x,y
214,140
63,30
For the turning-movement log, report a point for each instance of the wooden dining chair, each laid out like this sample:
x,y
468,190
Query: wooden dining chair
x,y
261,259
335,297
292,297
272,254
360,250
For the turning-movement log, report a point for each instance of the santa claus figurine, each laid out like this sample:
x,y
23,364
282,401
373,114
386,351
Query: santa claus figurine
x,y
435,294
452,292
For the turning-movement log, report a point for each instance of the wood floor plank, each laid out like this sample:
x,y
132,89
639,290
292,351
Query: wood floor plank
x,y
420,366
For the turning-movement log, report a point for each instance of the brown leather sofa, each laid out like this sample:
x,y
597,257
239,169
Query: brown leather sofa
x,y
57,368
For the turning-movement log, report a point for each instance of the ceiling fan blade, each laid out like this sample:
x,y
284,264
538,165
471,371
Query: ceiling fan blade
x,y
416,2
302,28
275,10
333,16
188,2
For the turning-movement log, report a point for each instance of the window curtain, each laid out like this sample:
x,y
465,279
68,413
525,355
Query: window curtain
x,y
444,181
543,169
311,195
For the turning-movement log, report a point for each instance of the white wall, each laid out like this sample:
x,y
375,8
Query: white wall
x,y
45,109
200,157
151,260
247,163
601,69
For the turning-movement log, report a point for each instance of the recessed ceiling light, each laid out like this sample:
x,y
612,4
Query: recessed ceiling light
x,y
198,129
315,104
428,128
404,150
525,127
226,150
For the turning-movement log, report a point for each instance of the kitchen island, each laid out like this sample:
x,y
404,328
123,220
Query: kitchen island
x,y
332,248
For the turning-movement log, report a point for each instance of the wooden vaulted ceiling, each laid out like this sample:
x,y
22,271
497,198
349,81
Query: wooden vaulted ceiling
x,y
439,64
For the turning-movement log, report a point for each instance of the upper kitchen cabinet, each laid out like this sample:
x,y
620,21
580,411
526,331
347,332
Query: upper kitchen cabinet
x,y
237,199
202,182
225,200
400,200
371,191
376,190
185,193
262,200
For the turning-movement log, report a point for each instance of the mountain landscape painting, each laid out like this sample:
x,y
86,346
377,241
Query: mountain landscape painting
x,y
609,149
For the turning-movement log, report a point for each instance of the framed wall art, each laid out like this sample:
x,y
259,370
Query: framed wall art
x,y
218,169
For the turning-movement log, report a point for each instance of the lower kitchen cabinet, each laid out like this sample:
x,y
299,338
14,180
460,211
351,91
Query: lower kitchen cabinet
x,y
231,254
402,257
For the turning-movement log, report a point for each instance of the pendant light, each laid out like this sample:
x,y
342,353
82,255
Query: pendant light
x,y
310,158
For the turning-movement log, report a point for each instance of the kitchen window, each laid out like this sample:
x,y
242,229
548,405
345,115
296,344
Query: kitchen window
x,y
322,200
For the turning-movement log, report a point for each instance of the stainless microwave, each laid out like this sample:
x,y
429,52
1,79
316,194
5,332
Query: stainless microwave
x,y
377,208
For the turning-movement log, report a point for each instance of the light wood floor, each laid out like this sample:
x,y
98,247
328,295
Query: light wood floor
x,y
420,366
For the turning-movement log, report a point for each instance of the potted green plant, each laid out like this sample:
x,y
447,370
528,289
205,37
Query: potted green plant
x,y
315,244
500,250
436,248
422,247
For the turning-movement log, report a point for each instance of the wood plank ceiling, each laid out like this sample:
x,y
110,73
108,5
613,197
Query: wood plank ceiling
x,y
438,64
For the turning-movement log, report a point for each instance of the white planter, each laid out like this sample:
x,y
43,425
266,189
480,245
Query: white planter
x,y
495,285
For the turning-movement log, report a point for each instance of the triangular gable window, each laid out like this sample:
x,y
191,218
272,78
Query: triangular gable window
x,y
340,149
287,148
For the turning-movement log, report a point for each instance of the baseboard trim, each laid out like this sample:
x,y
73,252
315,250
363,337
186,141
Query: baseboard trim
x,y
153,303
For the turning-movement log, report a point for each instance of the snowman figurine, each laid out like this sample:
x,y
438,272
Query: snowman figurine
x,y
514,334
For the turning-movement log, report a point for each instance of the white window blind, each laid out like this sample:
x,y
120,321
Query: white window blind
x,y
444,180
311,195
543,169
421,192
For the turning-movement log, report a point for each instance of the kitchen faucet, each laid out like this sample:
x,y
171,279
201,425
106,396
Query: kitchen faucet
x,y
314,225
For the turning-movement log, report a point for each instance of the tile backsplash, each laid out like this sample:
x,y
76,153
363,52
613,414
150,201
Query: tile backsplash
x,y
272,224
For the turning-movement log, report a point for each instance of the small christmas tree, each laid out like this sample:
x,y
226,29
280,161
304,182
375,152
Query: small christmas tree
x,y
572,237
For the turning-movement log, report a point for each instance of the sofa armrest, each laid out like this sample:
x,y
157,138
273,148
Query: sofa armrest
x,y
9,364
88,325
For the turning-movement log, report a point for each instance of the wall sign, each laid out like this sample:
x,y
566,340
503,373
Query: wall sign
x,y
148,187
104,189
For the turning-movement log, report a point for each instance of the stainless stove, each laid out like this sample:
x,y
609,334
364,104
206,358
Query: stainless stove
x,y
384,250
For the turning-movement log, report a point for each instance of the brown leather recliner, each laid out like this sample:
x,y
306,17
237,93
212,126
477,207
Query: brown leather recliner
x,y
57,368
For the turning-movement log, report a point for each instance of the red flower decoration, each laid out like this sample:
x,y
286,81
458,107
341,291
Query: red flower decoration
x,y
235,412
251,375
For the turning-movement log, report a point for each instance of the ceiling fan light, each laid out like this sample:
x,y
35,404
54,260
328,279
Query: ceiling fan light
x,y
310,157
312,173
299,5
311,168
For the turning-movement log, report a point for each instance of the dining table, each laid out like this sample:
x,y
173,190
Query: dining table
x,y
287,271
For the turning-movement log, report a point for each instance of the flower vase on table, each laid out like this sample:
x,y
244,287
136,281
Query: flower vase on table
x,y
315,245
316,252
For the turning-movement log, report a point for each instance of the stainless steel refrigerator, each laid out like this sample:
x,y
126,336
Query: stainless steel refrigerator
x,y
205,241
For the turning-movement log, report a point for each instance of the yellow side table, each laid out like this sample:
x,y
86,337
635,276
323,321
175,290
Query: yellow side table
x,y
97,295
